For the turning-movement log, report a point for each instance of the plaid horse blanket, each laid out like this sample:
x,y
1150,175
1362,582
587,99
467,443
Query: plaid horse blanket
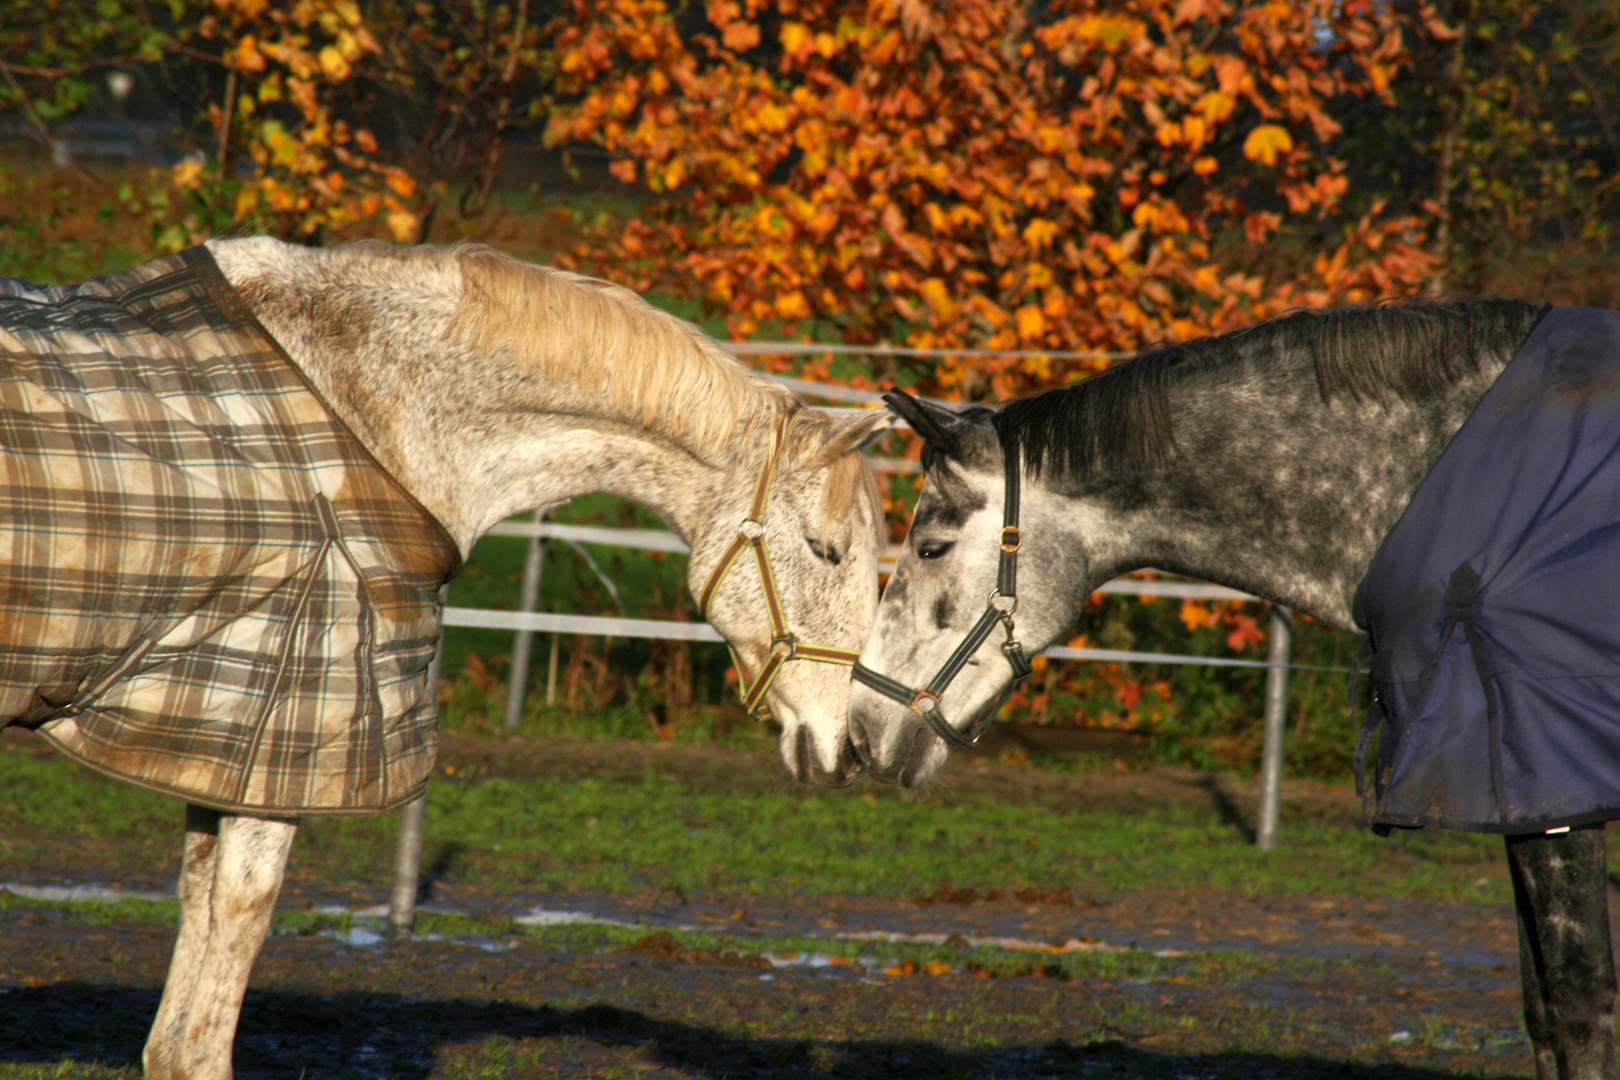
x,y
209,587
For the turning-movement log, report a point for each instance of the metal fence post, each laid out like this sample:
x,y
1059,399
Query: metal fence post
x,y
408,850
1271,756
518,684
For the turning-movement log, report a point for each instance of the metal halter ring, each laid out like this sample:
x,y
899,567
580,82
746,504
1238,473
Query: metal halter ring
x,y
924,702
1011,546
753,530
792,643
1006,611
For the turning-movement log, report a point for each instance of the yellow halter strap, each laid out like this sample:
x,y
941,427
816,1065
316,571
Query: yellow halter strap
x,y
785,645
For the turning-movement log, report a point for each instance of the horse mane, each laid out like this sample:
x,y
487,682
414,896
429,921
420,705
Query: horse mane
x,y
1403,351
646,364
649,365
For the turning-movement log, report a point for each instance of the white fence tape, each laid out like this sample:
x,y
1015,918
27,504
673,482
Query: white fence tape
x,y
663,629
597,625
803,348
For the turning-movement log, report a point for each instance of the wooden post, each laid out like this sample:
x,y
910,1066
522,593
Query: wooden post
x,y
518,684
1271,756
408,850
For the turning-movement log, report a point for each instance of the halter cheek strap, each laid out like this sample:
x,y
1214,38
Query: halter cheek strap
x,y
785,645
1000,608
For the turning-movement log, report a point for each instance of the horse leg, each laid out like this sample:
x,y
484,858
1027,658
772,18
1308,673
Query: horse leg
x,y
1561,893
196,891
224,920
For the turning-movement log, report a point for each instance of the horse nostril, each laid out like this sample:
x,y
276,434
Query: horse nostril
x,y
857,739
803,765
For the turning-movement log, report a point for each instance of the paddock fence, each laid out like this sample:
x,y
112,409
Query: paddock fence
x,y
527,621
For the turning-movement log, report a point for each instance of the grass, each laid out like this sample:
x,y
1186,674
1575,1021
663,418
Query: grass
x,y
537,835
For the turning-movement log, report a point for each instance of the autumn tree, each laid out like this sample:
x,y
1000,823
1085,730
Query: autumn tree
x,y
1006,176
272,81
1502,127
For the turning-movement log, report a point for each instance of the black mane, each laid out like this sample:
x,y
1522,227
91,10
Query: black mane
x,y
1120,418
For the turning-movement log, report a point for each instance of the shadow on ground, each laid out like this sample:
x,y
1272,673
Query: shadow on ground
x,y
379,1035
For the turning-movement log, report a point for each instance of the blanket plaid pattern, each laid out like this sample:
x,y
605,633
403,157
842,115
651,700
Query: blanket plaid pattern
x,y
207,586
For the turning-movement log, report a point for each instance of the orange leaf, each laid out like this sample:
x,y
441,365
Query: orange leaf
x,y
740,36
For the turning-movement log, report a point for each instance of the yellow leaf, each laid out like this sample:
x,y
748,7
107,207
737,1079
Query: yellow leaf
x,y
248,57
795,37
332,64
187,174
772,117
1204,165
1266,142
826,44
792,305
1215,106
674,173
402,223
1031,323
401,183
939,298
1039,233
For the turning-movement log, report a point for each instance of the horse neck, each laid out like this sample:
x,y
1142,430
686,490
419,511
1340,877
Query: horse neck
x,y
470,436
1276,492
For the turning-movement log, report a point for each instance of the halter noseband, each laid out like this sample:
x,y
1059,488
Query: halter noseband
x,y
1003,603
785,645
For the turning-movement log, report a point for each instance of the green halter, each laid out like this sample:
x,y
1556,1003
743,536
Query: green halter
x,y
1003,603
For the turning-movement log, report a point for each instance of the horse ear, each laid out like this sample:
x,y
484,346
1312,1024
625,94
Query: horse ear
x,y
857,433
951,433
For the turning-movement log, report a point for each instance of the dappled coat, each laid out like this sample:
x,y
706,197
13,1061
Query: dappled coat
x,y
1493,606
209,587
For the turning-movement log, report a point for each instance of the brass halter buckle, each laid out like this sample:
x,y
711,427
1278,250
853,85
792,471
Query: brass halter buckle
x,y
1011,538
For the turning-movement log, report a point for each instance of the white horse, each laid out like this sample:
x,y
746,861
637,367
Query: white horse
x,y
485,386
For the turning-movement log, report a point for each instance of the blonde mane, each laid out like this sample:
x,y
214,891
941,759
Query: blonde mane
x,y
649,366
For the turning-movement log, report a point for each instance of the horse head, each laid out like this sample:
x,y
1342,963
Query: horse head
x,y
980,584
786,568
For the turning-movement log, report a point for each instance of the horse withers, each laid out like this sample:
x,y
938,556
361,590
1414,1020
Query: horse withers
x,y
1385,469
236,478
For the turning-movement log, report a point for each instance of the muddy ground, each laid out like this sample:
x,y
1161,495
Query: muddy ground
x,y
1305,986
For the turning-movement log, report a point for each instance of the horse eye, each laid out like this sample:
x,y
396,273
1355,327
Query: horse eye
x,y
824,552
933,549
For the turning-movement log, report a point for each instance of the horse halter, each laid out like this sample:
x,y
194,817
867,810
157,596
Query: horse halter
x,y
1000,608
785,645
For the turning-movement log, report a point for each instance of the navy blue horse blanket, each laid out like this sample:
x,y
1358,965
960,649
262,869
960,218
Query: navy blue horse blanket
x,y
1493,606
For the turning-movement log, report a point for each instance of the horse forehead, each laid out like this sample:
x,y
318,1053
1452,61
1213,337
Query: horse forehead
x,y
949,500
